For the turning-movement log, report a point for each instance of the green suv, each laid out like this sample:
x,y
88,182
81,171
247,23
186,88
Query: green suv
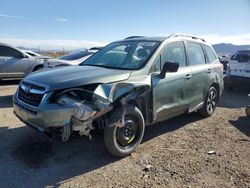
x,y
124,87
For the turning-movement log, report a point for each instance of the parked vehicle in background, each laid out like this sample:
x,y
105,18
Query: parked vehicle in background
x,y
238,72
15,63
224,59
74,58
36,55
122,88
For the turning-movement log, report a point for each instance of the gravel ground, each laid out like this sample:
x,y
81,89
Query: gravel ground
x,y
174,153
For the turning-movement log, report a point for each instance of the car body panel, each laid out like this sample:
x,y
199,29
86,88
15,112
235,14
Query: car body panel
x,y
171,95
76,76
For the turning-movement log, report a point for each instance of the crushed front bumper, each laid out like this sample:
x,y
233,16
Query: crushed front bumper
x,y
42,118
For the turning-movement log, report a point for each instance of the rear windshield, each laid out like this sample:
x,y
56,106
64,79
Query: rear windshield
x,y
75,55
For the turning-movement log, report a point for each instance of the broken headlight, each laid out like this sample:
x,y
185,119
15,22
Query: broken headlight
x,y
100,102
80,110
84,111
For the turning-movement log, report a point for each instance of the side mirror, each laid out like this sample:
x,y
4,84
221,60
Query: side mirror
x,y
169,67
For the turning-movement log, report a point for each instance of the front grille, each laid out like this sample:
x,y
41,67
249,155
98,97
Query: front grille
x,y
26,109
29,96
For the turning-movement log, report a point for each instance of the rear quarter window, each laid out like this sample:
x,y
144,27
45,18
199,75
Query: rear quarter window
x,y
210,54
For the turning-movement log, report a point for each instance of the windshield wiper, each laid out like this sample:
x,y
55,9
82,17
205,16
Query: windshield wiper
x,y
105,66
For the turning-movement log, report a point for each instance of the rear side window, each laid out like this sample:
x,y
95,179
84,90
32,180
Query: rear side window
x,y
174,51
195,54
210,54
9,52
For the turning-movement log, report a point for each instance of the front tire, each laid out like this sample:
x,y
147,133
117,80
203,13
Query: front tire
x,y
123,141
210,102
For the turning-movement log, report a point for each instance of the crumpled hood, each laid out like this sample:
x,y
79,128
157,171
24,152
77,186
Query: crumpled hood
x,y
74,76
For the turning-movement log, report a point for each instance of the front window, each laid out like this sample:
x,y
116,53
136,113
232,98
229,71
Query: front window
x,y
174,52
130,55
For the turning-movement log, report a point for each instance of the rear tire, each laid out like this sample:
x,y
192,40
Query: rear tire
x,y
123,141
210,103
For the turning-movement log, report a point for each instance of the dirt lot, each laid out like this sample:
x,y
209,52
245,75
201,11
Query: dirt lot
x,y
176,150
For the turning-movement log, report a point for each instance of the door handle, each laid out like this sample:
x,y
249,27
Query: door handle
x,y
188,76
209,70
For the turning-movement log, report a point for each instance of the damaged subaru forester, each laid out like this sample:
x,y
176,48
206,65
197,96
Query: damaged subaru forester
x,y
124,87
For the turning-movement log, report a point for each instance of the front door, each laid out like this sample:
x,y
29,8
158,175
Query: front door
x,y
12,63
171,95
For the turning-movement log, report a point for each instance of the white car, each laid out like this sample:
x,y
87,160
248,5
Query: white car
x,y
238,71
74,58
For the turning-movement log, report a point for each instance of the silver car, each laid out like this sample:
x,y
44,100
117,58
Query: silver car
x,y
15,63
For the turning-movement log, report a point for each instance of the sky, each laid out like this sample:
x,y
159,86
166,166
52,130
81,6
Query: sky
x,y
85,23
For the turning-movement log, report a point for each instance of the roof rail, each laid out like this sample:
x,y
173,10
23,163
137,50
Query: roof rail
x,y
185,35
132,37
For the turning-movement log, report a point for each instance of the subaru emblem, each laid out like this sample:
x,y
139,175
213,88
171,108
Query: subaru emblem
x,y
27,88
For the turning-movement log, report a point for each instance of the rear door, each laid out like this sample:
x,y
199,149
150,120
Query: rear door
x,y
171,95
200,73
12,63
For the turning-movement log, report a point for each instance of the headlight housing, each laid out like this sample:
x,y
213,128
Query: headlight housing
x,y
80,110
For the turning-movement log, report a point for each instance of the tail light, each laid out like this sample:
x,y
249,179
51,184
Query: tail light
x,y
222,67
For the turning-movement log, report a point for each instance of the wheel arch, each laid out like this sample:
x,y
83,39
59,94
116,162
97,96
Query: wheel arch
x,y
36,67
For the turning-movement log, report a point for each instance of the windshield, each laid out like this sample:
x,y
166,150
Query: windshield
x,y
75,55
130,55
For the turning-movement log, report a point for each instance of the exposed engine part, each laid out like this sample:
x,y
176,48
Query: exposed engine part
x,y
73,90
84,128
81,110
66,131
84,111
101,122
